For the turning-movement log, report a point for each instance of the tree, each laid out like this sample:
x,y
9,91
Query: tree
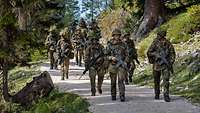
x,y
92,8
153,16
72,11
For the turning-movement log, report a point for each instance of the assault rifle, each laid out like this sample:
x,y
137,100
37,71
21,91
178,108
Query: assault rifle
x,y
162,60
92,63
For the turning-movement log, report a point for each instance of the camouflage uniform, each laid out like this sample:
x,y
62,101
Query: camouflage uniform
x,y
64,48
92,51
117,52
159,46
132,54
51,42
78,44
79,40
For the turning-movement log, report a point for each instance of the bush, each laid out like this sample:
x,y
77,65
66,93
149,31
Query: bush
x,y
181,27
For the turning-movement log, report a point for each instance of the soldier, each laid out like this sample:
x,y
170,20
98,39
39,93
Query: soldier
x,y
79,44
93,27
64,48
117,52
79,40
92,52
162,55
51,42
132,54
83,28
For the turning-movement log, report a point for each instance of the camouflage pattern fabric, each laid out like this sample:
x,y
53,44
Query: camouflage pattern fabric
x,y
161,45
93,51
51,42
118,52
64,48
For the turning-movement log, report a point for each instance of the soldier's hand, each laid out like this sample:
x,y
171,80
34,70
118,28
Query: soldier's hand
x,y
112,58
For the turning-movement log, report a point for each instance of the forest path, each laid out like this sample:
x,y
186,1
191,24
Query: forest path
x,y
138,99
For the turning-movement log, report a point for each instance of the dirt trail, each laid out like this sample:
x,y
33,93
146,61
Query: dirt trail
x,y
138,99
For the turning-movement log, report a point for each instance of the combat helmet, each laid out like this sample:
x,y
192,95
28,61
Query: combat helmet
x,y
82,23
116,32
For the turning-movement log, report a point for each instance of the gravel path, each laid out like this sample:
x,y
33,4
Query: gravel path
x,y
138,99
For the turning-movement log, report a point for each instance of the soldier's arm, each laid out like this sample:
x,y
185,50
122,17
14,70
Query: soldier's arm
x,y
47,40
126,53
87,56
172,53
150,52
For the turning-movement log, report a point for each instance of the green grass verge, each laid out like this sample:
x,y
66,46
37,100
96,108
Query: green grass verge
x,y
56,102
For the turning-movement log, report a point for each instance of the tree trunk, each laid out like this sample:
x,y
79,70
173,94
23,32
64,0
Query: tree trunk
x,y
40,86
153,16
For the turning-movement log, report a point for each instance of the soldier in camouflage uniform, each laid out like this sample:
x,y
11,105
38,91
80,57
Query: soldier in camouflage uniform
x,y
78,44
117,54
132,54
51,42
65,50
79,40
93,51
162,55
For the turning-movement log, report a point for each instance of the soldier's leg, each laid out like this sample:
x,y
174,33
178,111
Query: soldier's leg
x,y
132,68
66,68
80,56
92,75
113,78
157,75
62,71
131,75
55,60
126,78
121,78
166,77
51,59
100,74
76,55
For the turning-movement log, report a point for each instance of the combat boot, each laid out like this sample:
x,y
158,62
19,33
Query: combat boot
x,y
67,76
62,78
157,97
113,98
51,67
93,94
122,98
130,79
100,91
167,98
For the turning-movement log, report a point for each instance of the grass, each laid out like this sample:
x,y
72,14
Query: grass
x,y
56,102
